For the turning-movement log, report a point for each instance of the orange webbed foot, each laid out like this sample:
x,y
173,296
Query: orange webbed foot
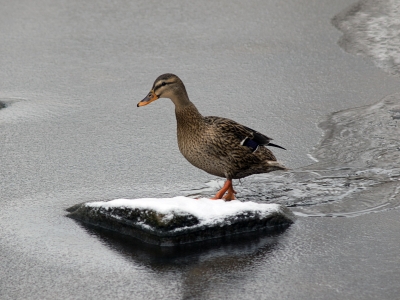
x,y
228,189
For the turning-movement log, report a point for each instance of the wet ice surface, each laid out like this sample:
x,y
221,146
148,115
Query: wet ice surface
x,y
357,170
372,28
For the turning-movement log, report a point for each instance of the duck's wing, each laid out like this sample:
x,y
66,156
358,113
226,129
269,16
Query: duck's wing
x,y
262,139
235,133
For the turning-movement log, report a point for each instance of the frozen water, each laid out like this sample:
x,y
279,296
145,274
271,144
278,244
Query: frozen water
x,y
372,28
79,68
357,170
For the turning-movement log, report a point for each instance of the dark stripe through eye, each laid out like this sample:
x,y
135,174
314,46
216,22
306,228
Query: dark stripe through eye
x,y
160,85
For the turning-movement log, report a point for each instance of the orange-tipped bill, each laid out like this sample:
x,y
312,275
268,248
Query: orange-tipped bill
x,y
148,99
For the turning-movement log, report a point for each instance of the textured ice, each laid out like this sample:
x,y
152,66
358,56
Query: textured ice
x,y
357,169
372,28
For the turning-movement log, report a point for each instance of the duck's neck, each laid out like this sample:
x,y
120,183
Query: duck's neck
x,y
188,116
190,125
179,97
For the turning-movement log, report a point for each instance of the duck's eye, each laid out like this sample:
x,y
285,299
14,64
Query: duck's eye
x,y
163,84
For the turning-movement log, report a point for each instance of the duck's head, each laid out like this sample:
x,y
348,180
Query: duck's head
x,y
167,86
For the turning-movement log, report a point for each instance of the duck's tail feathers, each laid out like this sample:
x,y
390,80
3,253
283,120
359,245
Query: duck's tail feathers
x,y
276,165
275,145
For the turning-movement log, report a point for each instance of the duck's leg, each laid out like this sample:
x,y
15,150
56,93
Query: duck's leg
x,y
227,188
230,195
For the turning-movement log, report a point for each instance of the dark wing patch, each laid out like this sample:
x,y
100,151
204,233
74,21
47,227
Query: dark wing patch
x,y
259,138
262,139
250,143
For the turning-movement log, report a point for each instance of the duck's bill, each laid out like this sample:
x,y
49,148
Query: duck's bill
x,y
148,99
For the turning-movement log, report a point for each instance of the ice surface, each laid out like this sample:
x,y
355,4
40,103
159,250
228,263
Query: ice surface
x,y
271,65
356,169
372,28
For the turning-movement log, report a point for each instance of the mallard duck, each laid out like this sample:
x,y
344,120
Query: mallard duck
x,y
219,146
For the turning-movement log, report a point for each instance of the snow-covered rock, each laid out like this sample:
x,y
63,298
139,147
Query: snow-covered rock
x,y
181,220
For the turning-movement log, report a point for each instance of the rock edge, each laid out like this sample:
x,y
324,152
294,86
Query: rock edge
x,y
152,227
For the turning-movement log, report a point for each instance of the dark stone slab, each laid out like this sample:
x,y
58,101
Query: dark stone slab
x,y
151,226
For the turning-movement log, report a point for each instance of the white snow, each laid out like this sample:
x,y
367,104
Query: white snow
x,y
206,210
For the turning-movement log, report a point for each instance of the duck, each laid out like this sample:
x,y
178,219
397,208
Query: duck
x,y
216,145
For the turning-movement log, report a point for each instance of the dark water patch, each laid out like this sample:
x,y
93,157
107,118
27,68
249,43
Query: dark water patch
x,y
6,102
357,172
197,267
38,107
372,28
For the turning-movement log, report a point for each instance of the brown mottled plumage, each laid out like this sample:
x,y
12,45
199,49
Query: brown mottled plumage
x,y
219,146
